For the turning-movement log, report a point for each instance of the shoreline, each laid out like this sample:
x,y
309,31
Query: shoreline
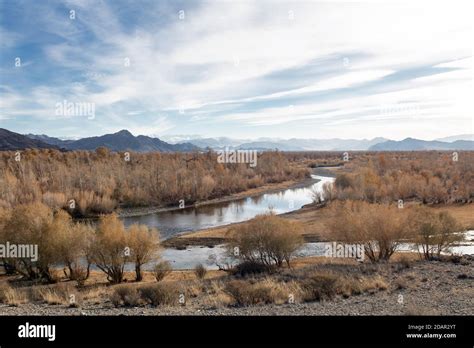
x,y
325,170
265,189
200,238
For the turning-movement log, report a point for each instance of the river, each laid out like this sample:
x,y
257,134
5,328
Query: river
x,y
172,223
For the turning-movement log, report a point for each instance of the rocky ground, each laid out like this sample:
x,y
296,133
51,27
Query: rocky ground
x,y
423,288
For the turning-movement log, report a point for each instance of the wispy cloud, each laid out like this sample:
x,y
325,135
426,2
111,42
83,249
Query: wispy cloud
x,y
294,69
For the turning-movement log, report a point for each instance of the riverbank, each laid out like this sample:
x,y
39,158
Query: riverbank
x,y
314,219
265,189
401,287
328,171
214,236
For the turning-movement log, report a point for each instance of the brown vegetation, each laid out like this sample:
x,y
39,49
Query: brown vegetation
x,y
161,270
429,177
433,232
266,239
382,227
379,227
91,183
200,271
75,246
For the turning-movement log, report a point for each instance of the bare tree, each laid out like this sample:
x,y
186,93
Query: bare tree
x,y
266,239
144,245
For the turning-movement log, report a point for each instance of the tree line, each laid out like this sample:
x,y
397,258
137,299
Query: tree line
x,y
427,177
91,183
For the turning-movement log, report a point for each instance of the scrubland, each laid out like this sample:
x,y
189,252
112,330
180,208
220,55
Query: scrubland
x,y
378,201
92,183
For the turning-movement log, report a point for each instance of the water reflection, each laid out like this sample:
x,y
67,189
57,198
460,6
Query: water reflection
x,y
192,219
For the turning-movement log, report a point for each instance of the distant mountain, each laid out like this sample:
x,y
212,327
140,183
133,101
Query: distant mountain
x,y
469,137
10,141
216,143
334,144
124,140
120,141
50,140
266,145
288,144
410,144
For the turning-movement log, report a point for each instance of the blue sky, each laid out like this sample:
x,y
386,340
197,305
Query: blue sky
x,y
243,69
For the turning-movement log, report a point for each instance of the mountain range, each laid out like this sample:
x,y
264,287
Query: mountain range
x,y
457,142
124,140
14,141
410,144
120,141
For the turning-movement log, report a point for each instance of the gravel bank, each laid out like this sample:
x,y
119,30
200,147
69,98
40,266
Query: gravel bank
x,y
425,288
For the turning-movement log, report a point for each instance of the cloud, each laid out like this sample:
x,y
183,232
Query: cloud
x,y
243,64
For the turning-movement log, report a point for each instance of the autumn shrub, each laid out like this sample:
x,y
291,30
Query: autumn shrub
x,y
247,268
433,233
108,250
160,294
33,224
161,270
8,266
266,239
344,181
125,295
144,244
380,228
325,283
100,181
73,246
262,291
320,286
12,296
428,177
200,271
55,295
246,293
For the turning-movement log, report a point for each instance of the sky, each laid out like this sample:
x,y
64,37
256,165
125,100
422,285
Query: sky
x,y
240,69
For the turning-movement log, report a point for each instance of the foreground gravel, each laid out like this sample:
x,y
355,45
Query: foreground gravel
x,y
426,288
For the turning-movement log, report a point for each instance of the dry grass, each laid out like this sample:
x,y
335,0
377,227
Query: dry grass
x,y
95,294
12,296
161,270
462,213
315,286
200,271
247,293
59,294
214,295
160,294
125,295
324,283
